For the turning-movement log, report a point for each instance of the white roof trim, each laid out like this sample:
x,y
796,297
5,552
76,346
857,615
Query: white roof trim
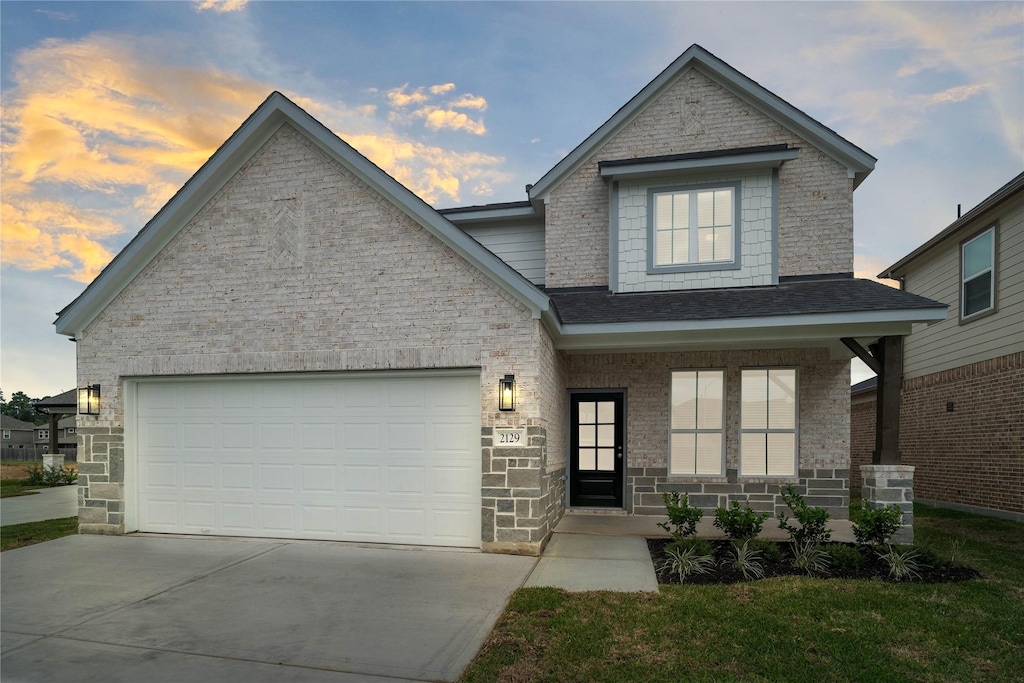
x,y
859,162
804,328
648,167
275,111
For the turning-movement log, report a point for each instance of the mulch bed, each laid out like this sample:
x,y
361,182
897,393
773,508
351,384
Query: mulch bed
x,y
871,566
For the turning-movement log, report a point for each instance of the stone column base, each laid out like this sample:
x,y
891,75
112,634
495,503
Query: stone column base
x,y
53,460
891,485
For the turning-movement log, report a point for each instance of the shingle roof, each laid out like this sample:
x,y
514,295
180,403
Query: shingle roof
x,y
845,295
67,399
870,384
8,422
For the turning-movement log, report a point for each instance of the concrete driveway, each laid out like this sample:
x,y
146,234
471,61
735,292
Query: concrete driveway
x,y
51,503
137,608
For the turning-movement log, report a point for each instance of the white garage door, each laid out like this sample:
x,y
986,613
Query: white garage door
x,y
376,458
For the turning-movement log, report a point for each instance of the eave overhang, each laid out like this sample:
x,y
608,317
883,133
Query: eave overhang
x,y
701,162
276,111
777,331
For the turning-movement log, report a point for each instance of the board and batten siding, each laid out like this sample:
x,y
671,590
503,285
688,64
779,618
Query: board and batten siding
x,y
520,245
948,344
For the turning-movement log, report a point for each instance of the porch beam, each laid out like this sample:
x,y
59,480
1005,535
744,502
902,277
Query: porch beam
x,y
863,354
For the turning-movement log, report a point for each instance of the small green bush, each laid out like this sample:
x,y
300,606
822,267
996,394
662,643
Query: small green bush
x,y
903,562
50,476
844,557
811,558
747,560
703,546
769,550
682,518
876,526
687,559
813,521
739,524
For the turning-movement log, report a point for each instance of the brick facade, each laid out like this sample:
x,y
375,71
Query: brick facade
x,y
695,114
823,443
971,456
298,266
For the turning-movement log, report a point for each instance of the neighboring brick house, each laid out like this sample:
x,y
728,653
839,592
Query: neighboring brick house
x,y
298,346
962,407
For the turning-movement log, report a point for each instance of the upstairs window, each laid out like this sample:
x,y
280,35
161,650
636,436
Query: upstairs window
x,y
977,274
693,228
7,433
43,434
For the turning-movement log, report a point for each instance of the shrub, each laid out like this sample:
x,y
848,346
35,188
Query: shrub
x,y
903,564
813,521
747,561
687,559
769,550
739,524
876,526
844,557
682,518
50,476
810,558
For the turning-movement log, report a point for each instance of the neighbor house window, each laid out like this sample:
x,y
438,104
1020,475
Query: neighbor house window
x,y
977,274
7,433
44,433
768,422
697,441
694,228
71,430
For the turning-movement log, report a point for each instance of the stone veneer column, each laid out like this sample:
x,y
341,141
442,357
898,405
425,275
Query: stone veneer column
x,y
891,485
516,495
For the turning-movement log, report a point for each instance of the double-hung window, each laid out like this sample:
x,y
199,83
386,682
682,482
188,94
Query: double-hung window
x,y
693,228
7,433
977,274
768,422
697,439
43,434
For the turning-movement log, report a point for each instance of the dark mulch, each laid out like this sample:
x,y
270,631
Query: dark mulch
x,y
870,566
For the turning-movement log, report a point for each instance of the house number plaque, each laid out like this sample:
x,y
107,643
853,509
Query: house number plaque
x,y
510,437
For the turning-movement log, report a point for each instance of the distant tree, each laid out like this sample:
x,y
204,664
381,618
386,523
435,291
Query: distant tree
x,y
20,408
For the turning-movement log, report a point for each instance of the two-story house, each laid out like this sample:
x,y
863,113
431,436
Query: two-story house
x,y
15,434
962,404
298,346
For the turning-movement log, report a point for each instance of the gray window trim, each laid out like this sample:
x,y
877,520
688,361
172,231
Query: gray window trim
x,y
7,433
994,271
722,431
795,430
734,264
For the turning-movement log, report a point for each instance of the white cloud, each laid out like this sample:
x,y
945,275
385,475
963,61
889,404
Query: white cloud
x,y
220,6
469,101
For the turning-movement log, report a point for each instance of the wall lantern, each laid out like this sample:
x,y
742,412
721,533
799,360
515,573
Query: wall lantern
x,y
507,393
89,400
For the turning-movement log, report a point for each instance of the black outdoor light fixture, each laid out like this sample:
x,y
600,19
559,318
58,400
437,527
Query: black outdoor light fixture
x,y
89,400
507,393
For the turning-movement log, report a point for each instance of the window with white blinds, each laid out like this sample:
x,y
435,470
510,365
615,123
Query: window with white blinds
x,y
697,422
768,412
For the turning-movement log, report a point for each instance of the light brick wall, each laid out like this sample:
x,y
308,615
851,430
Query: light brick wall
x,y
297,266
756,264
824,428
974,455
695,114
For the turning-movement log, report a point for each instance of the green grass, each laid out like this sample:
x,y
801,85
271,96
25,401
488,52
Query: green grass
x,y
791,628
20,535
10,488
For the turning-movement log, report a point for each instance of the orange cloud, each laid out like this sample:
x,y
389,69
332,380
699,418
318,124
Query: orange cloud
x,y
437,119
468,101
100,133
441,88
399,98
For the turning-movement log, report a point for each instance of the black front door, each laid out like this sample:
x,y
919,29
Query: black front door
x,y
595,449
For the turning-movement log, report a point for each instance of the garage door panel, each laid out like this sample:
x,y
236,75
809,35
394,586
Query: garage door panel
x,y
393,460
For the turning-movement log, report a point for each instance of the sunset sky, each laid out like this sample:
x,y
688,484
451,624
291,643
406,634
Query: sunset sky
x,y
108,108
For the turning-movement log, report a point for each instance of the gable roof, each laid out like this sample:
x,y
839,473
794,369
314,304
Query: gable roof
x,y
276,111
8,422
54,404
859,162
1003,194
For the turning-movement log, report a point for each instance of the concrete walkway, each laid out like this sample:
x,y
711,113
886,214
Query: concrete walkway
x,y
588,562
51,503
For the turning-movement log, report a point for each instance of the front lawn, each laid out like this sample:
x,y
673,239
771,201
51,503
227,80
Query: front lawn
x,y
20,535
787,628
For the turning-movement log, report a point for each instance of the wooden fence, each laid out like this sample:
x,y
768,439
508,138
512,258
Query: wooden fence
x,y
34,453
